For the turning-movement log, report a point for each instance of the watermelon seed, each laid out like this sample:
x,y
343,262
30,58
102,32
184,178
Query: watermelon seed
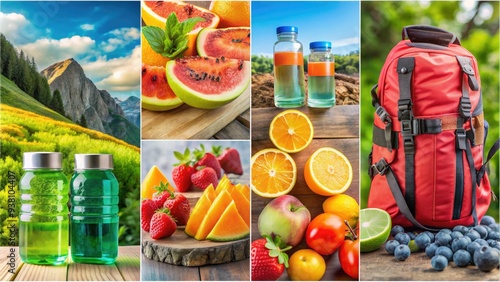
x,y
143,71
216,60
154,78
248,35
206,58
204,75
213,78
240,67
217,79
159,3
236,40
222,58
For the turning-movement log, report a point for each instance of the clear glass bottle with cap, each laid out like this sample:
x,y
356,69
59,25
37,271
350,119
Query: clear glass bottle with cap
x,y
289,83
43,220
321,72
94,210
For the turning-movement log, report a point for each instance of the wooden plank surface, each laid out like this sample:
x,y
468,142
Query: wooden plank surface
x,y
336,127
234,271
335,122
129,263
7,266
93,272
158,271
187,122
379,265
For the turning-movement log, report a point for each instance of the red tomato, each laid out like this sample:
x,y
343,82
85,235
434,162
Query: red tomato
x,y
349,257
325,233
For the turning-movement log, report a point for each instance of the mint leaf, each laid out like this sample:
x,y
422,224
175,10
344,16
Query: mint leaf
x,y
171,24
154,35
188,25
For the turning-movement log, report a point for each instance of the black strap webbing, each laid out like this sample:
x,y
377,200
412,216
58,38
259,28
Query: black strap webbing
x,y
493,150
470,160
405,69
384,169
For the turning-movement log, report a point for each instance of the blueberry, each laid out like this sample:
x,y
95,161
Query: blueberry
x,y
430,234
397,229
483,232
471,248
493,227
459,244
430,251
412,235
439,262
487,220
460,228
391,245
473,235
402,238
456,234
422,240
481,242
461,258
443,239
445,230
402,252
488,227
444,251
486,258
469,240
492,243
493,235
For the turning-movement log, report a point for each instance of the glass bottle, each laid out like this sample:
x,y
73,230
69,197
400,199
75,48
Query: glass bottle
x,y
289,84
94,210
321,71
43,220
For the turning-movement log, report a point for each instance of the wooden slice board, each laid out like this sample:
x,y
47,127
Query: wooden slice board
x,y
187,122
180,249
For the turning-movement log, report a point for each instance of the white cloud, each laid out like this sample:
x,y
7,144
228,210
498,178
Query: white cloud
x,y
16,27
48,51
119,38
117,74
345,42
87,27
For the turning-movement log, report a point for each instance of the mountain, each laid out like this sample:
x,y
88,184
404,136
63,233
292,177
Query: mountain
x,y
81,97
132,109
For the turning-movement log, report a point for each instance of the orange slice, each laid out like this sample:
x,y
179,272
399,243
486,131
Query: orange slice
x,y
273,173
328,172
291,131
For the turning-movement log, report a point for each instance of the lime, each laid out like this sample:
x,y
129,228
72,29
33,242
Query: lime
x,y
413,247
375,228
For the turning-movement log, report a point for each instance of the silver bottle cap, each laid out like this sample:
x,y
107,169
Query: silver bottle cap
x,y
93,161
35,160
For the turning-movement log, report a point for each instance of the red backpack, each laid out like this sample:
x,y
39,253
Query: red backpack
x,y
427,164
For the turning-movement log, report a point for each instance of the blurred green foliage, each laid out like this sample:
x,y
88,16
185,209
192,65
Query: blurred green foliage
x,y
475,23
346,64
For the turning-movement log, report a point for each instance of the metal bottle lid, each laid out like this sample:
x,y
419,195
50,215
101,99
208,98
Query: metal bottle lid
x,y
35,160
93,161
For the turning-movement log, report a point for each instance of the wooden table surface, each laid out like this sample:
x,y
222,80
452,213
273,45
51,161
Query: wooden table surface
x,y
126,268
379,265
336,127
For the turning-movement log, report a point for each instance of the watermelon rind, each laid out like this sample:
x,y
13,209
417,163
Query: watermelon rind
x,y
157,105
201,100
200,41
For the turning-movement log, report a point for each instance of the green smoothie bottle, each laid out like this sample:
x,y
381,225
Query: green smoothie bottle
x,y
43,220
94,210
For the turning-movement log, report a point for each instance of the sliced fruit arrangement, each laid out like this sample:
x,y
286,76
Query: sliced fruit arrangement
x,y
231,42
156,94
221,214
206,73
208,82
153,179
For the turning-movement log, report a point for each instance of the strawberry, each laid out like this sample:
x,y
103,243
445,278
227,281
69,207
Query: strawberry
x,y
162,194
179,207
148,208
207,159
162,225
204,177
268,258
229,160
181,174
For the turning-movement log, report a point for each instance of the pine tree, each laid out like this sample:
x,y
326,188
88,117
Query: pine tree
x,y
56,103
83,121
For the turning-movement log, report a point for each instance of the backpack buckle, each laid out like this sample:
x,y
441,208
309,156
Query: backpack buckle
x,y
461,138
380,167
383,114
465,107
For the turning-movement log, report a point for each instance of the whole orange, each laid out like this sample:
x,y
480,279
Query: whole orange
x,y
306,265
232,13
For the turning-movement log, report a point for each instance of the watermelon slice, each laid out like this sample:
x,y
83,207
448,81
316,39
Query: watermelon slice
x,y
156,94
208,82
233,42
230,226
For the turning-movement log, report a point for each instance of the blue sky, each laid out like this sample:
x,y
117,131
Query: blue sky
x,y
335,21
104,37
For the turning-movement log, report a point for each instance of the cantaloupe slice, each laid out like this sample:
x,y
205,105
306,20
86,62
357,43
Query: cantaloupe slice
x,y
213,214
197,215
242,204
224,183
153,179
230,226
244,189
210,192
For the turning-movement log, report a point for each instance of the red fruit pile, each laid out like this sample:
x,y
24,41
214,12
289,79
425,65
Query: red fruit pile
x,y
202,168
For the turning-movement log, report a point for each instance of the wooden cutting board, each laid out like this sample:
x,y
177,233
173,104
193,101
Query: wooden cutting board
x,y
180,249
187,122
